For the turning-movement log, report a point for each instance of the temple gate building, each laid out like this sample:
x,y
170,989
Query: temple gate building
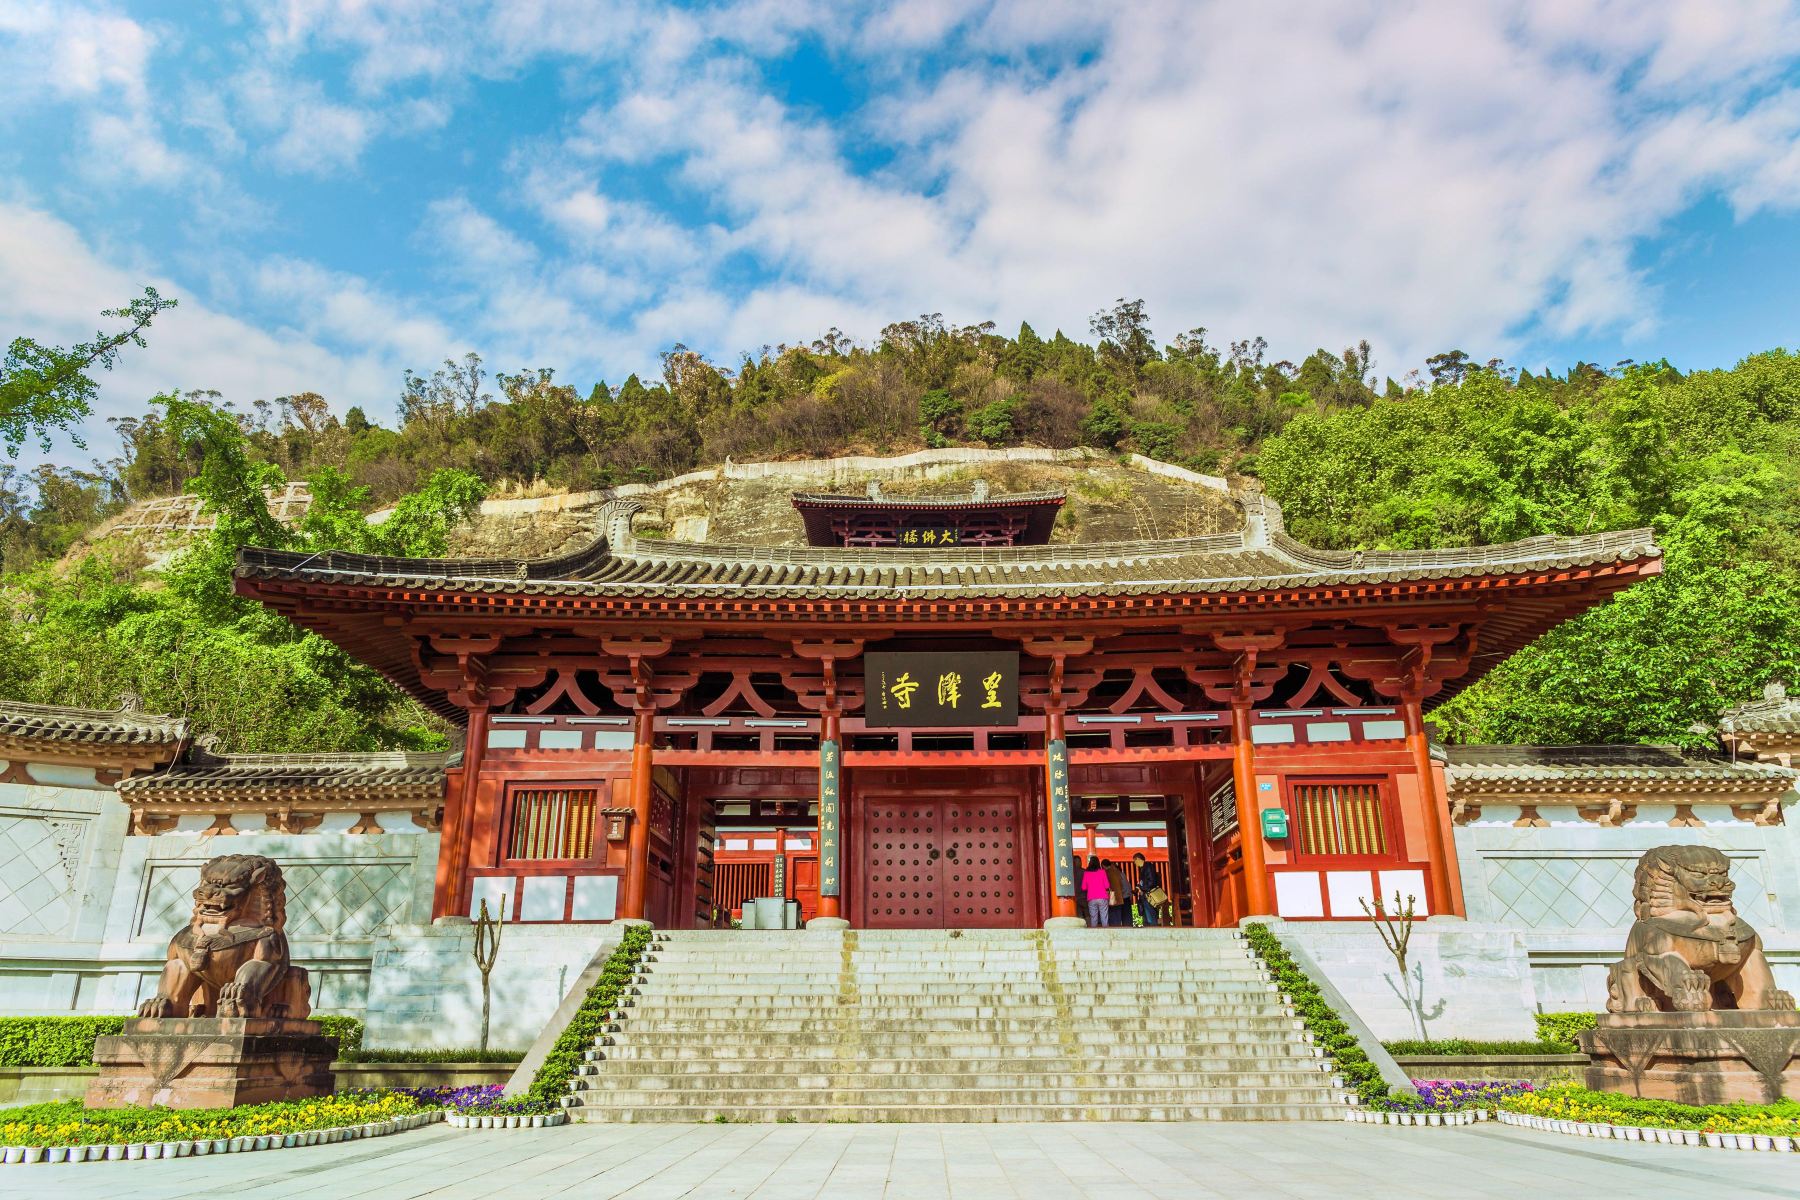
x,y
898,735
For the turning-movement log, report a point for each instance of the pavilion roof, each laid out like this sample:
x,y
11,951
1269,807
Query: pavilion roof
x,y
971,500
1259,557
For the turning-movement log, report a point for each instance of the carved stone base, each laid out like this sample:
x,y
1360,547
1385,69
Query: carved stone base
x,y
212,1062
1721,1057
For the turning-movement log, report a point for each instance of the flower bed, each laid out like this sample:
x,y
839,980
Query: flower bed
x,y
485,1106
1571,1105
68,1131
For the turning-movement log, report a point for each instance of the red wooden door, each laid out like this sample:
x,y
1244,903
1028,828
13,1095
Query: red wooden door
x,y
937,863
905,887
803,884
981,865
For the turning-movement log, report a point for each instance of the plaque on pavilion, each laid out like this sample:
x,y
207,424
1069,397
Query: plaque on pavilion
x,y
941,690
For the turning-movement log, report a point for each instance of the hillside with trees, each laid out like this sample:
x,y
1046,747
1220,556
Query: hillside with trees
x,y
1464,452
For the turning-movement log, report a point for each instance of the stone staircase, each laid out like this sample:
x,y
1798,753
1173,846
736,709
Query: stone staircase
x,y
977,1025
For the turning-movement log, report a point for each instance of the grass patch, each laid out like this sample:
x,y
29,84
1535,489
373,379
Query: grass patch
x,y
1327,1028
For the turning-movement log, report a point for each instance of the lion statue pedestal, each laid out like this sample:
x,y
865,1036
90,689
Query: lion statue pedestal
x,y
1693,1013
227,1025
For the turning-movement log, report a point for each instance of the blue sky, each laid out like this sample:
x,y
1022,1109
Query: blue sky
x,y
340,190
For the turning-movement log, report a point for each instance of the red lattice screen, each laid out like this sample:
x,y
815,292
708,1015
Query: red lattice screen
x,y
736,882
553,823
1340,819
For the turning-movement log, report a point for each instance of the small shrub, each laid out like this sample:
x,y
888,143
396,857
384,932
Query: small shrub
x,y
1560,1028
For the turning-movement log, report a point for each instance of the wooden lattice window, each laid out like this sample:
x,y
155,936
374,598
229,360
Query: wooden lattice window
x,y
1341,819
553,823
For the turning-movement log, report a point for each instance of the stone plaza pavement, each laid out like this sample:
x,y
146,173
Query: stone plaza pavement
x,y
847,1162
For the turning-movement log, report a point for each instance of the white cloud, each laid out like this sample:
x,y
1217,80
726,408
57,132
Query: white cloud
x,y
53,286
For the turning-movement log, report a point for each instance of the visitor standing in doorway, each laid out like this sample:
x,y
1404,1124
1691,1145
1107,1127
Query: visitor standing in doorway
x,y
1148,889
1116,896
1093,886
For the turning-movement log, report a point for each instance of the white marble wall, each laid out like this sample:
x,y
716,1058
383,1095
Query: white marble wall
x,y
425,990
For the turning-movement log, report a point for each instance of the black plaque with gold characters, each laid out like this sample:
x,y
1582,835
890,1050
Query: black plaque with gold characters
x,y
1063,853
828,818
920,537
940,690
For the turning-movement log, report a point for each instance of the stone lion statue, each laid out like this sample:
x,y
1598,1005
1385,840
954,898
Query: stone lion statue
x,y
231,960
1689,950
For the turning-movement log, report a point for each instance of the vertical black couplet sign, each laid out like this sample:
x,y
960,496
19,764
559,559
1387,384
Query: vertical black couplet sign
x,y
828,818
1062,852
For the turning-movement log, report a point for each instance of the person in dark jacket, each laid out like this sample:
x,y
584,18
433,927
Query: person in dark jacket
x,y
1148,879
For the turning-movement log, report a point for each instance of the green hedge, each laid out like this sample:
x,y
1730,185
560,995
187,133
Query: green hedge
x,y
460,1054
69,1041
1444,1047
1328,1029
53,1041
1559,1029
551,1083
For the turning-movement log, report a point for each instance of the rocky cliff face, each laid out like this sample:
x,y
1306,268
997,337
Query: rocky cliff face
x,y
1107,502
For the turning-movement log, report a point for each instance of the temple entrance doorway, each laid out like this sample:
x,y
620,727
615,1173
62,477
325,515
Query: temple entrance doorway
x,y
936,861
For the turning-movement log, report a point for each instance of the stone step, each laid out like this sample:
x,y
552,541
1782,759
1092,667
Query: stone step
x,y
1195,1047
978,1076
1017,1095
901,1008
960,1113
970,991
934,1023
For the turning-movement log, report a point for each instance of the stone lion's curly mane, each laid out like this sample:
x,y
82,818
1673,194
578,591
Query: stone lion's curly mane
x,y
265,900
1656,890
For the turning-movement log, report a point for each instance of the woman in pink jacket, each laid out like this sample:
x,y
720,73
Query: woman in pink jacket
x,y
1094,887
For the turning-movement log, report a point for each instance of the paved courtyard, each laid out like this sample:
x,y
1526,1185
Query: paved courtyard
x,y
847,1162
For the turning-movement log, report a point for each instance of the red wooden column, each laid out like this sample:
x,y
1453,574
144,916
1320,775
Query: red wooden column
x,y
830,843
637,845
1440,839
450,892
1250,837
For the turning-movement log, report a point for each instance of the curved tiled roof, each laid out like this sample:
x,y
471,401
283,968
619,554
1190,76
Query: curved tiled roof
x,y
127,725
1568,768
391,775
998,499
1776,713
1259,557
